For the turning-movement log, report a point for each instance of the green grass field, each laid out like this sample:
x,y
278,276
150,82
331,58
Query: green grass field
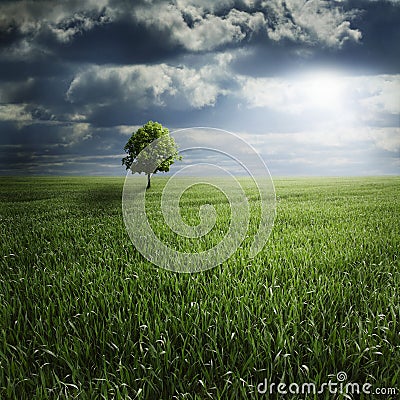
x,y
85,316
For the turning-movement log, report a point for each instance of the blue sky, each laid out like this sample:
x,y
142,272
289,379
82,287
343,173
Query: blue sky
x,y
313,85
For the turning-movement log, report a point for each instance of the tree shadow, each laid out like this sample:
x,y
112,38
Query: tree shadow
x,y
104,198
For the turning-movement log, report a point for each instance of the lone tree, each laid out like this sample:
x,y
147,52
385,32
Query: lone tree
x,y
157,157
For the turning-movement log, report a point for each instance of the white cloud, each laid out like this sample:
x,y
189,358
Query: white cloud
x,y
316,92
209,6
380,93
212,24
314,21
344,99
76,24
127,129
386,138
30,15
336,150
145,85
77,133
274,93
64,19
335,139
106,85
208,31
15,112
325,23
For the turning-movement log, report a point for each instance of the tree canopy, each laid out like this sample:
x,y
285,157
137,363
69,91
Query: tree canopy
x,y
150,149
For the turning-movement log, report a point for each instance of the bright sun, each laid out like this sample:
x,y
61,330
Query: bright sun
x,y
323,90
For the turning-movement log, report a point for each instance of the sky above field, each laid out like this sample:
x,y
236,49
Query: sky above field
x,y
313,85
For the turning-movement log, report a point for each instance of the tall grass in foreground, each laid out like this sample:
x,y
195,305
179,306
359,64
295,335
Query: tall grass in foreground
x,y
85,316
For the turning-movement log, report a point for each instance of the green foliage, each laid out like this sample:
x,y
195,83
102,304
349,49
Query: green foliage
x,y
164,153
84,316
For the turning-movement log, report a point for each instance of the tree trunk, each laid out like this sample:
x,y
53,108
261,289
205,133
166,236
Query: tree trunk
x,y
148,181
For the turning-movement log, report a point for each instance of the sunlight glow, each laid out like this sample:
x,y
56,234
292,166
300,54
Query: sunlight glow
x,y
324,91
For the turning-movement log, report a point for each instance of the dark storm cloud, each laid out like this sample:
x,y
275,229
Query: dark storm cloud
x,y
9,34
376,52
120,42
379,23
113,32
39,67
59,148
46,91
